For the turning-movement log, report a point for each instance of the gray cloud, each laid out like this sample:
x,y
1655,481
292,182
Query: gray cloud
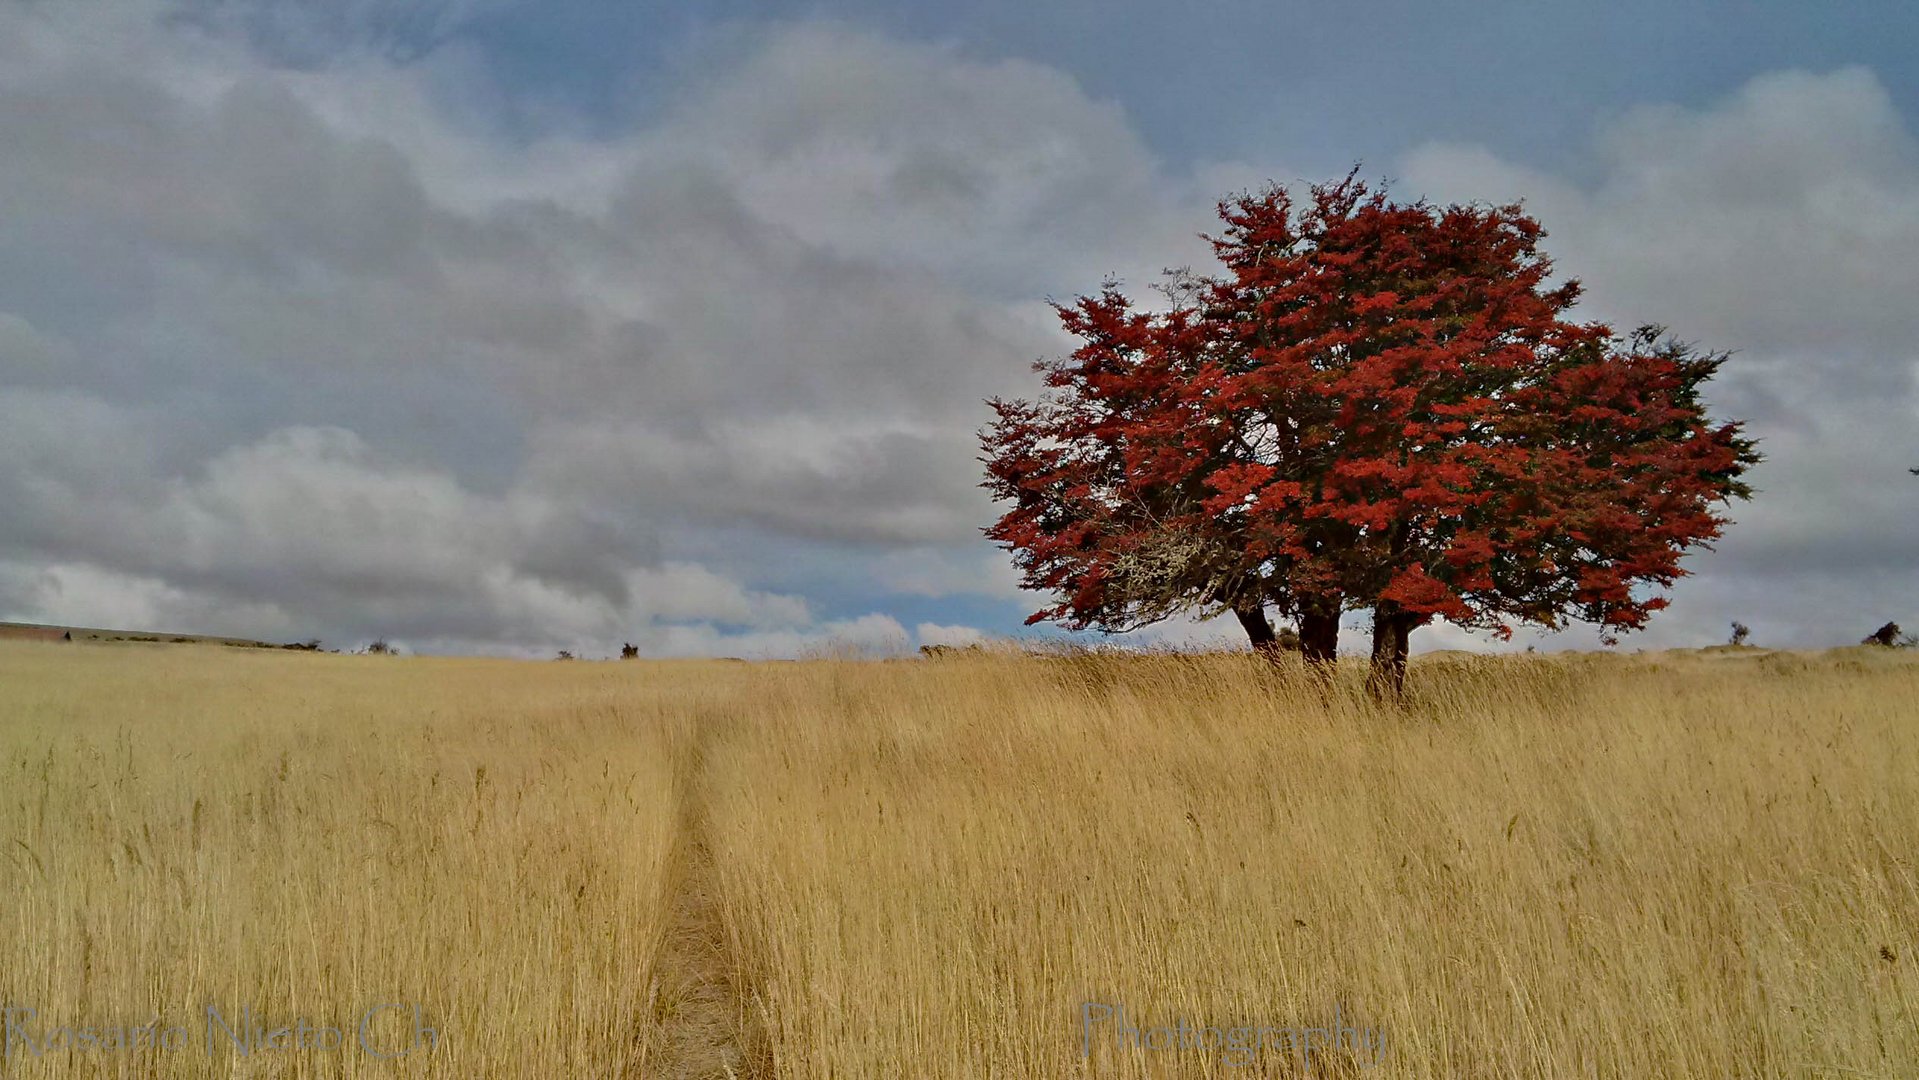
x,y
306,346
293,341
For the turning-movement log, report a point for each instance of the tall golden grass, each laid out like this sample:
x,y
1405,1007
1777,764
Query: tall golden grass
x,y
315,836
1682,865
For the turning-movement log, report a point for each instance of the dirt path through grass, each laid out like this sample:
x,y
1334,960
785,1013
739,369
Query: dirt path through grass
x,y
705,1025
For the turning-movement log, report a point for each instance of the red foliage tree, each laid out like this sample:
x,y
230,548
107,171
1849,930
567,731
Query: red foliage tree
x,y
1376,405
1111,480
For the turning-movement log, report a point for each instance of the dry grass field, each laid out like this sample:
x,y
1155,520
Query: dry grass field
x,y
1677,865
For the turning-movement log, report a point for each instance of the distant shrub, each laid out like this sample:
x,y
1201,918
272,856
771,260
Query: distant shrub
x,y
937,652
1888,636
1740,632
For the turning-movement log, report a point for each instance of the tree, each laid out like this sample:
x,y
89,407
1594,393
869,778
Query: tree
x,y
1108,476
1376,405
1888,636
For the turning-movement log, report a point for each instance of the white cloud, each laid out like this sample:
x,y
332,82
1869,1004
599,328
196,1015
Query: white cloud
x,y
688,592
943,572
1779,223
82,595
867,636
1781,218
935,634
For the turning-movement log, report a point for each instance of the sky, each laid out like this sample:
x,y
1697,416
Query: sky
x,y
508,327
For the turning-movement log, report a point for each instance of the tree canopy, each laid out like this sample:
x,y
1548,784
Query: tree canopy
x,y
1371,405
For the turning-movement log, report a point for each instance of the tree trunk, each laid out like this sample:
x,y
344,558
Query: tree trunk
x,y
1319,636
1259,631
1392,630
